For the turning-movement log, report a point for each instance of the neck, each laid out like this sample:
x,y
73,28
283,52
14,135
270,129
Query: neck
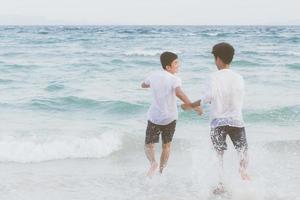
x,y
169,72
224,66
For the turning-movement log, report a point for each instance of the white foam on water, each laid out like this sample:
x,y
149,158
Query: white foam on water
x,y
40,148
142,52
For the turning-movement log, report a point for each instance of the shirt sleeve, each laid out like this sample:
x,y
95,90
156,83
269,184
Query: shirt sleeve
x,y
177,83
206,96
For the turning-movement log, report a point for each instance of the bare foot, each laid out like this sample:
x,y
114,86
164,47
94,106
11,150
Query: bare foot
x,y
152,169
244,175
219,190
161,168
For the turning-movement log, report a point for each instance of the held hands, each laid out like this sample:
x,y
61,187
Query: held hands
x,y
186,107
197,109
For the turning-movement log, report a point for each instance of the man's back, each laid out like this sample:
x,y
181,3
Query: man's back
x,y
163,109
227,92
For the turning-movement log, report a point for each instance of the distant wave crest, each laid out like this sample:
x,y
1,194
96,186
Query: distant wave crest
x,y
44,148
71,103
283,114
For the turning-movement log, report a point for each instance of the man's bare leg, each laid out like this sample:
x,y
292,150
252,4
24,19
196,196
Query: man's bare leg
x,y
150,153
220,188
164,156
243,165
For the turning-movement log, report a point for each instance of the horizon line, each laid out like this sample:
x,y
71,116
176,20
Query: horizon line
x,y
149,24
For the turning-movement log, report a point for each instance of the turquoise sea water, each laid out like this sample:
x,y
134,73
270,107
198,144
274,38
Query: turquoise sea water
x,y
69,92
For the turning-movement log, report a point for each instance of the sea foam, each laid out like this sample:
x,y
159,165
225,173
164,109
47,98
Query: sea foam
x,y
44,148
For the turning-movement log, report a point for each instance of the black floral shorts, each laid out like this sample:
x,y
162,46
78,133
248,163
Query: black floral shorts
x,y
236,134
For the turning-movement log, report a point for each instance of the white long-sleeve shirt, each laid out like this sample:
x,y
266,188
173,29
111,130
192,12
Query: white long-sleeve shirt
x,y
225,93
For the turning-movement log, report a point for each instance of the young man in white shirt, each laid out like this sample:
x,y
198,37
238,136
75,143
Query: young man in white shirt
x,y
225,93
163,113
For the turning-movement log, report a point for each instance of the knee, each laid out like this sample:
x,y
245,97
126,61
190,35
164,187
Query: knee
x,y
166,147
149,146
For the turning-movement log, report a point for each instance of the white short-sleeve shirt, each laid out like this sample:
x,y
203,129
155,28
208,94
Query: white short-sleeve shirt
x,y
163,109
225,93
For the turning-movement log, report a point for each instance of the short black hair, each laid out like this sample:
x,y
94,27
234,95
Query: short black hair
x,y
166,58
224,51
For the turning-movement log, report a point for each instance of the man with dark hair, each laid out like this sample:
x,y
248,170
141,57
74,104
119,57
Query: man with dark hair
x,y
162,114
166,58
224,51
225,93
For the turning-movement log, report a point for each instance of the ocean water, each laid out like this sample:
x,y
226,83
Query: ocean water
x,y
73,116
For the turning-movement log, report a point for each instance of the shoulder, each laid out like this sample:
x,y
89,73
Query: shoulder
x,y
239,80
154,74
238,76
213,76
175,78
